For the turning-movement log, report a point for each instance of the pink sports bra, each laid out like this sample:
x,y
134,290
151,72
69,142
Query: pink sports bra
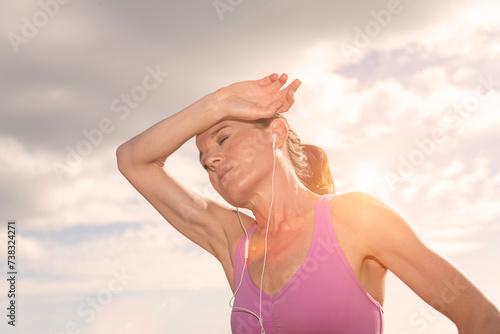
x,y
324,296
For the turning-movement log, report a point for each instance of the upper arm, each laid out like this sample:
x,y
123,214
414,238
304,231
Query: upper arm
x,y
434,278
199,219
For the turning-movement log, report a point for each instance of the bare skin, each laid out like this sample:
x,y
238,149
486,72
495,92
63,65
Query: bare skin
x,y
238,157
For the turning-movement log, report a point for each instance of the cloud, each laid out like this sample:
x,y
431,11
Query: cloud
x,y
366,113
91,193
79,260
25,176
454,168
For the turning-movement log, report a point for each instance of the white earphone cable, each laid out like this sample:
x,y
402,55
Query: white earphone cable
x,y
247,242
265,240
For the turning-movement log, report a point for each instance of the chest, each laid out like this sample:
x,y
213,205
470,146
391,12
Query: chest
x,y
284,257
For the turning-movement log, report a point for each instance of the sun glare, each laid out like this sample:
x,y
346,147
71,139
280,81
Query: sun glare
x,y
368,177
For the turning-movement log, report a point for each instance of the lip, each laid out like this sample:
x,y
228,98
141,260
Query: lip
x,y
223,172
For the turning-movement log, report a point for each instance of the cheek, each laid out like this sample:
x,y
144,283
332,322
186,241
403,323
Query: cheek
x,y
251,156
247,154
214,182
251,151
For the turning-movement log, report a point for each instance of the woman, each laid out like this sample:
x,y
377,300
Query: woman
x,y
315,263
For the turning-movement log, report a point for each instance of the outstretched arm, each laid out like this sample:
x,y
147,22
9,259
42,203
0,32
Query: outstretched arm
x,y
435,279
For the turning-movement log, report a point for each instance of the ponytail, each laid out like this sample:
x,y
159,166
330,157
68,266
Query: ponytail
x,y
318,179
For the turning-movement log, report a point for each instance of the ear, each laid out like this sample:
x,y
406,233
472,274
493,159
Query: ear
x,y
279,131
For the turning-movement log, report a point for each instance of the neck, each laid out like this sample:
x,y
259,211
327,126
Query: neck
x,y
291,200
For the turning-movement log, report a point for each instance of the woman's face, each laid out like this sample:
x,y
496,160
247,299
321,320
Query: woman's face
x,y
234,153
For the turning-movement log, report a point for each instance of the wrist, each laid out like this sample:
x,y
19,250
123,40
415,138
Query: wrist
x,y
214,106
207,112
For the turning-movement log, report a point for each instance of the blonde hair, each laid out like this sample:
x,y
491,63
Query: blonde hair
x,y
310,162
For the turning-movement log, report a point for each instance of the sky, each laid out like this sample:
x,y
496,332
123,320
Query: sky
x,y
402,95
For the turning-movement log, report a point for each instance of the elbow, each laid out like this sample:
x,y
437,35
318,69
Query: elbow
x,y
123,158
493,320
129,161
487,322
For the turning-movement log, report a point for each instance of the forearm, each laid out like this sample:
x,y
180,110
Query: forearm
x,y
162,139
467,305
248,100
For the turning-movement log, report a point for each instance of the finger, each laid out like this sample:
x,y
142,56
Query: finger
x,y
268,79
294,85
288,102
275,107
283,78
256,112
278,84
289,97
282,94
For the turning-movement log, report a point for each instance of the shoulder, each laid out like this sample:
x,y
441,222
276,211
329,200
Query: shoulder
x,y
355,206
378,226
362,208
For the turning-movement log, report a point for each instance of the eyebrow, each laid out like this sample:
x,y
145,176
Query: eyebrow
x,y
212,135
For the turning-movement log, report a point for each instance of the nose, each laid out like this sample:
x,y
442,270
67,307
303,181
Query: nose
x,y
213,160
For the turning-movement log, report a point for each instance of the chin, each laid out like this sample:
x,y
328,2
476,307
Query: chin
x,y
236,195
239,188
233,198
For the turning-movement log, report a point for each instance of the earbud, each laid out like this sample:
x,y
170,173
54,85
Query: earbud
x,y
274,140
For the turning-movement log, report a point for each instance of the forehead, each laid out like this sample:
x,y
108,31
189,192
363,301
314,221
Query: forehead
x,y
204,138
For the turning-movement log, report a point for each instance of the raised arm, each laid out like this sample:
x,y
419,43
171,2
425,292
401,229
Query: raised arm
x,y
434,278
141,159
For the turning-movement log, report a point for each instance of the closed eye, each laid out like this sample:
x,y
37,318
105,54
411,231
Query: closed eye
x,y
223,139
